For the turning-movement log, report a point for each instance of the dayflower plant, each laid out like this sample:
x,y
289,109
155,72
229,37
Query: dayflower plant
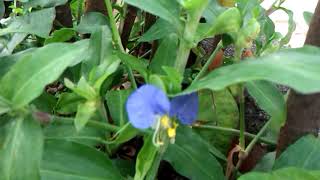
x,y
149,106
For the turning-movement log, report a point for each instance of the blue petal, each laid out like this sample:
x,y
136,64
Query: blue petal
x,y
185,108
145,104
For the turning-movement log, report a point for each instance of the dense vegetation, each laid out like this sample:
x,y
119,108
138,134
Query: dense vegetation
x,y
150,89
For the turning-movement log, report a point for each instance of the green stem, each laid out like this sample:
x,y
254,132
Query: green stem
x,y
91,123
242,124
251,145
187,42
79,11
182,56
117,39
209,61
236,132
80,138
257,137
114,29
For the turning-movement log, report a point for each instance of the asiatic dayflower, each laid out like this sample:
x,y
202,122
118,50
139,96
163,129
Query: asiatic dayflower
x,y
149,106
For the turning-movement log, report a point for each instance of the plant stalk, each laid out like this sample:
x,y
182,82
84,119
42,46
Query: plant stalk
x,y
242,124
236,132
209,61
117,39
91,123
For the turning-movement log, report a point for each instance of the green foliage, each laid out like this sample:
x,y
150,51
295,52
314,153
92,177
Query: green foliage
x,y
290,67
70,160
21,151
64,90
191,156
30,23
299,161
307,149
307,16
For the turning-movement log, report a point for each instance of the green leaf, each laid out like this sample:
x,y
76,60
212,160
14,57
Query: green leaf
x,y
68,103
270,99
291,26
116,101
38,23
145,158
227,22
206,106
190,156
43,3
220,109
90,22
27,78
266,163
304,153
14,41
126,133
7,61
296,68
84,113
213,10
157,31
63,129
61,35
307,16
45,102
173,79
267,27
108,69
21,153
134,63
83,88
100,49
166,54
73,161
4,106
156,80
168,10
285,173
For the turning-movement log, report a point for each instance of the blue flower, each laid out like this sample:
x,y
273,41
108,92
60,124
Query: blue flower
x,y
148,105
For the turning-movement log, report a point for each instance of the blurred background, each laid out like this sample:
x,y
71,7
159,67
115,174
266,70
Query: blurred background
x,y
281,18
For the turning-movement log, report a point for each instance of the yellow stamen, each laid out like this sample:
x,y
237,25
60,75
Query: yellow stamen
x,y
165,121
171,132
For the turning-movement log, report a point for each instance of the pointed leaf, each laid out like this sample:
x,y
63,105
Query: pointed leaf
x,y
84,113
296,68
165,55
27,78
270,100
38,23
145,158
116,101
168,10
